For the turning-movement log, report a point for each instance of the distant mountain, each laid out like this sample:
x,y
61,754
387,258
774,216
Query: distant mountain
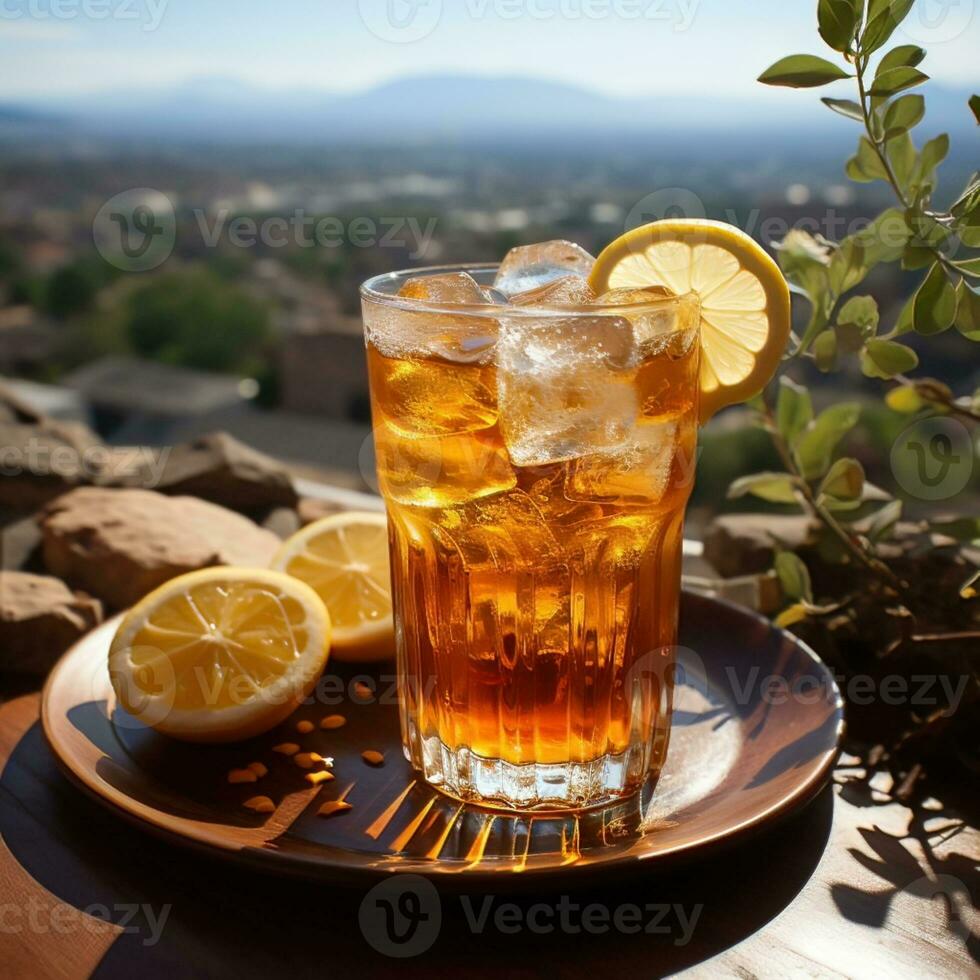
x,y
445,105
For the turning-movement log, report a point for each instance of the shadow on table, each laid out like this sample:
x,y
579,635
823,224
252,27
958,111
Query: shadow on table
x,y
190,915
948,876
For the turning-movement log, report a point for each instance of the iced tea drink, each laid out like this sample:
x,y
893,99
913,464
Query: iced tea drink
x,y
535,449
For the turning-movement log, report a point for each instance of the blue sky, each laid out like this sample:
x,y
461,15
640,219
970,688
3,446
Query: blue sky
x,y
54,48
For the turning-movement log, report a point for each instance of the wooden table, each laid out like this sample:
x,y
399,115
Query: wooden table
x,y
854,885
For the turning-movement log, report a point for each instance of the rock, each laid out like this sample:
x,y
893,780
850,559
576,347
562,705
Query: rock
x,y
219,468
40,617
282,522
20,545
743,544
120,544
41,458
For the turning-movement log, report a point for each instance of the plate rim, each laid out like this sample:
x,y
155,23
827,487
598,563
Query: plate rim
x,y
328,867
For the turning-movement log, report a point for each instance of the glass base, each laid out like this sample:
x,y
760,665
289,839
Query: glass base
x,y
497,783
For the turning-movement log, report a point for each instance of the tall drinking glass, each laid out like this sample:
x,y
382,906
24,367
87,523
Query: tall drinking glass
x,y
535,463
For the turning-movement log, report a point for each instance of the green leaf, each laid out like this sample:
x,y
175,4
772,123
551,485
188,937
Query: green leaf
x,y
969,267
933,154
848,266
885,238
917,257
969,200
838,20
906,319
886,358
935,303
884,520
906,54
968,229
845,107
794,409
793,576
897,80
866,165
968,310
862,312
825,351
815,446
804,261
802,71
903,114
883,17
901,155
777,488
975,107
844,480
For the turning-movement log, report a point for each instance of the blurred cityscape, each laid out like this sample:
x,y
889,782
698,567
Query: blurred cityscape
x,y
248,319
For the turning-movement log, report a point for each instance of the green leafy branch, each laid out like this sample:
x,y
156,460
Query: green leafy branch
x,y
843,323
913,232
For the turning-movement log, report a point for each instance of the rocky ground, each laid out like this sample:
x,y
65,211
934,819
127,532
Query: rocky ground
x,y
87,529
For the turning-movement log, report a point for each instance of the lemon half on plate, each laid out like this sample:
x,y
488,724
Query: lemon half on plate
x,y
344,558
221,654
745,306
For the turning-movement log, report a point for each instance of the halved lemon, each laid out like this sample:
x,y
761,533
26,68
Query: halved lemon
x,y
745,307
344,558
221,654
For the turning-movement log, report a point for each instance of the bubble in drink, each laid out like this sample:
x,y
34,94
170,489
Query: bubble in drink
x,y
529,266
564,386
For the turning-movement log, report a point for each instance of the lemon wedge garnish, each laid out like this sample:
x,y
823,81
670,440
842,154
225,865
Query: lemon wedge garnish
x,y
220,654
344,558
745,307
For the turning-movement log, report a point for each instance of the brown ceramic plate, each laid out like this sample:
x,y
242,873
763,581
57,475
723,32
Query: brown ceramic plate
x,y
756,727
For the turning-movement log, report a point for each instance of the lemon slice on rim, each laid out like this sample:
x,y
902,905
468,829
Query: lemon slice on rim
x,y
745,307
344,558
220,654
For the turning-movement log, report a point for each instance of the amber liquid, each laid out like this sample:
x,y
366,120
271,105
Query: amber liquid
x,y
536,607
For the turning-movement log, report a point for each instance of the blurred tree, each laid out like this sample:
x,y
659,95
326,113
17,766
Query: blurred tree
x,y
10,264
71,290
196,319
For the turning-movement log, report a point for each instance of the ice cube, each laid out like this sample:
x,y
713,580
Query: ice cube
x,y
529,266
567,291
650,322
503,532
427,396
464,337
450,287
640,469
440,471
565,386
